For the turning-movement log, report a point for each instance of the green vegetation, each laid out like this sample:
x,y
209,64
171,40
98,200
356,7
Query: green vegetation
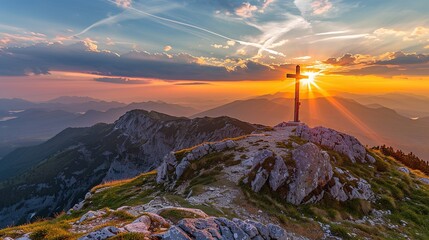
x,y
175,215
410,160
206,163
297,140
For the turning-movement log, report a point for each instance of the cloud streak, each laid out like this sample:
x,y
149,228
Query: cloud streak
x,y
245,43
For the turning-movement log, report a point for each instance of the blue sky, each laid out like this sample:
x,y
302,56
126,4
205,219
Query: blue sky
x,y
212,39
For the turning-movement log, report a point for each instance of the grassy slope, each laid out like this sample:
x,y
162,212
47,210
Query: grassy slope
x,y
404,195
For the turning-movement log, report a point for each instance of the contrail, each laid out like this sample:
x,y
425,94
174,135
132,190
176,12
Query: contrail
x,y
101,22
259,46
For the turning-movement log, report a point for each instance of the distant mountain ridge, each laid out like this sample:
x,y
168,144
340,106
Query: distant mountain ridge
x,y
26,122
373,126
49,178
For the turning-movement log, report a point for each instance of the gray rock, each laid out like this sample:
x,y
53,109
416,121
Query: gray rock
x,y
424,180
262,229
180,169
278,174
313,170
337,191
175,233
404,170
340,142
219,146
140,225
260,180
261,156
276,232
88,195
248,228
162,173
24,237
90,215
363,190
200,228
226,233
201,150
101,234
236,231
370,158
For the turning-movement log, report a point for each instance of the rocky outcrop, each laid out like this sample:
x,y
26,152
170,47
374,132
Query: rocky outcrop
x,y
222,228
178,166
313,170
312,178
340,142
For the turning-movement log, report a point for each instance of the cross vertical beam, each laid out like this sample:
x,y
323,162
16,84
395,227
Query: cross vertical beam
x,y
297,77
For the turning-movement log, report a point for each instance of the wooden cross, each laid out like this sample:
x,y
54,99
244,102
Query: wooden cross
x,y
297,77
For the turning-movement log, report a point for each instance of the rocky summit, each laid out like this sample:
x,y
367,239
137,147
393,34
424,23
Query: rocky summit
x,y
285,182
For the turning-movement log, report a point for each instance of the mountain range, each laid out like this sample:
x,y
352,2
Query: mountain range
x,y
26,123
50,177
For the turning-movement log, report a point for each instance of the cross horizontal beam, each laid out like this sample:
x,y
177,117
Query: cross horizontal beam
x,y
296,76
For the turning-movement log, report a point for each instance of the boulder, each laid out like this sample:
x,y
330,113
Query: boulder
x,y
259,180
181,168
24,237
362,191
200,228
140,225
340,142
337,191
278,174
424,180
404,170
276,232
262,229
313,170
162,173
201,150
370,158
157,221
261,156
247,227
236,231
175,233
102,234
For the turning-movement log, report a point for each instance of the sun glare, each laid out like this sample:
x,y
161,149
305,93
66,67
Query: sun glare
x,y
311,78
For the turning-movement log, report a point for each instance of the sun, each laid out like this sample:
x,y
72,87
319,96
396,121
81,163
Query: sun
x,y
311,78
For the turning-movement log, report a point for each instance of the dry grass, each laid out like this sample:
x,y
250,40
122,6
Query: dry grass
x,y
116,183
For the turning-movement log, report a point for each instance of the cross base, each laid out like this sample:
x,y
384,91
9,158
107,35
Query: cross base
x,y
289,124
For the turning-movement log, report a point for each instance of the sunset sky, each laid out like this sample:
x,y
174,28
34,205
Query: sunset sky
x,y
217,50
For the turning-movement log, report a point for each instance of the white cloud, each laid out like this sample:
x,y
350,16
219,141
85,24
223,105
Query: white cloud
x,y
168,48
246,10
387,31
230,43
124,3
314,7
303,58
418,33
